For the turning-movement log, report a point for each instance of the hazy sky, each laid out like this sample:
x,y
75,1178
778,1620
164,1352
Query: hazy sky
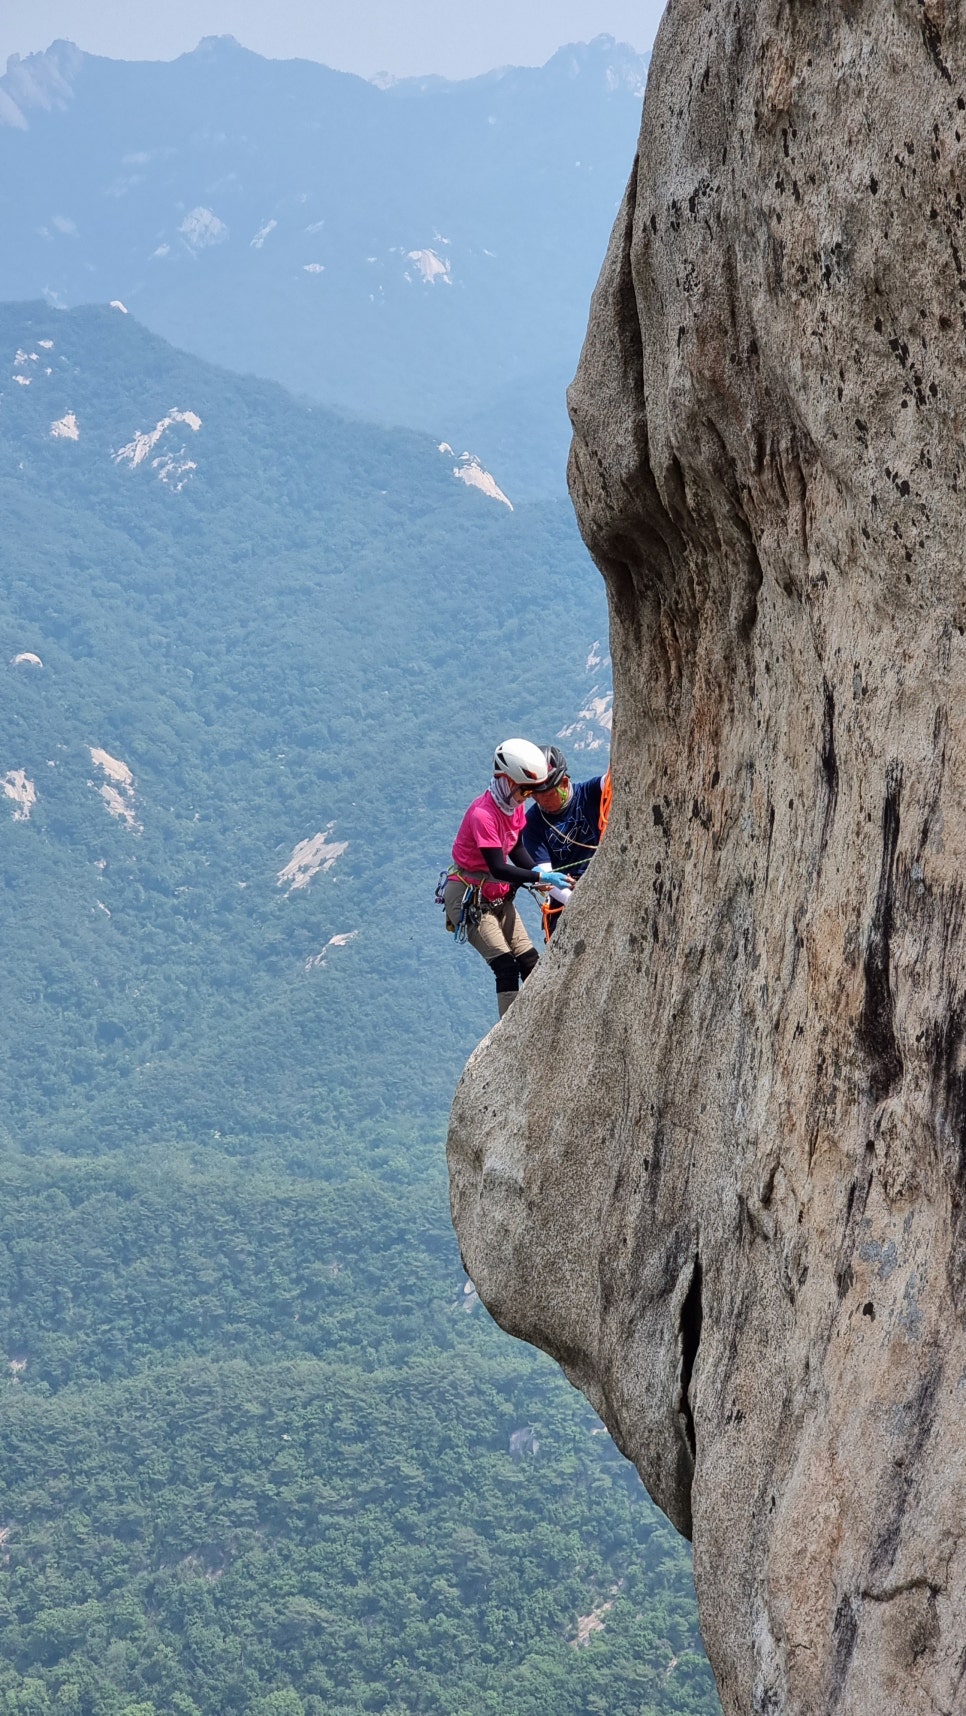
x,y
365,36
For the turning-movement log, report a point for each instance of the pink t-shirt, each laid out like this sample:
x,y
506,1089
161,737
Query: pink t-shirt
x,y
486,825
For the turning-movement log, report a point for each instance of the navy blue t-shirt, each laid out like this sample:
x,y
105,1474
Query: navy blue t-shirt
x,y
567,841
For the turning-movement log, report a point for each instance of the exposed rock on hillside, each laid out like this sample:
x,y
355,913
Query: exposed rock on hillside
x,y
714,1159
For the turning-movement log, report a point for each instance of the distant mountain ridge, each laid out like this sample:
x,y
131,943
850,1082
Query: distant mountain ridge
x,y
625,69
420,254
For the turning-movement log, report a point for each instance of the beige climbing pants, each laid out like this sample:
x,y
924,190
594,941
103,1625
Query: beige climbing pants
x,y
500,933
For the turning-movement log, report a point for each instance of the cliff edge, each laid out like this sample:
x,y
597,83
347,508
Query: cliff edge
x,y
714,1159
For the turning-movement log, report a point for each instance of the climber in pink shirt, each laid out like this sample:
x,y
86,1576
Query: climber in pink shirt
x,y
490,863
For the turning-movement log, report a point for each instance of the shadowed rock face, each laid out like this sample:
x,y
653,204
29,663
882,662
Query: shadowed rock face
x,y
714,1159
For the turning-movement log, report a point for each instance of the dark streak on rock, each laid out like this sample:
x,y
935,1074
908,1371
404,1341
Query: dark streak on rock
x,y
877,1033
845,1630
855,1210
830,768
891,1592
946,1051
921,1410
940,735
933,39
692,1316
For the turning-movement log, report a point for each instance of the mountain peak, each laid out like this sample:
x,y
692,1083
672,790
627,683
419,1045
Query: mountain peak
x,y
622,66
221,45
41,80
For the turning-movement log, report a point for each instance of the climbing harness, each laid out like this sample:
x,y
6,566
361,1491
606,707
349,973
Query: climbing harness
x,y
473,905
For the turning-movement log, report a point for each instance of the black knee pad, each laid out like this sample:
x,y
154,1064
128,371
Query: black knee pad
x,y
526,963
504,969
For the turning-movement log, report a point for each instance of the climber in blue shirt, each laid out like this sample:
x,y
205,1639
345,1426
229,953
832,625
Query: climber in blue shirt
x,y
563,827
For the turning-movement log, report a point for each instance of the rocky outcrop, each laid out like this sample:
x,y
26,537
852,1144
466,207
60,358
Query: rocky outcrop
x,y
714,1160
42,81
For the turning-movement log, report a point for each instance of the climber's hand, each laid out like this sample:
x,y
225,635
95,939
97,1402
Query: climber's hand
x,y
553,879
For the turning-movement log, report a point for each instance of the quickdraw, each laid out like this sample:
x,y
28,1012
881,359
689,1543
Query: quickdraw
x,y
471,912
471,909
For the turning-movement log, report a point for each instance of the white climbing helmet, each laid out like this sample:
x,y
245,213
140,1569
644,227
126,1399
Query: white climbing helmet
x,y
523,762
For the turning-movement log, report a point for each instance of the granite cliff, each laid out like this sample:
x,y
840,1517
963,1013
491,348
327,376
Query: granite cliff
x,y
714,1160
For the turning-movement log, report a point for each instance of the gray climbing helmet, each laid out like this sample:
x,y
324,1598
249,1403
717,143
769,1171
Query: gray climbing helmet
x,y
556,766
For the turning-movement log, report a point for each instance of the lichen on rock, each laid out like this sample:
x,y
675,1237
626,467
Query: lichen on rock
x,y
714,1158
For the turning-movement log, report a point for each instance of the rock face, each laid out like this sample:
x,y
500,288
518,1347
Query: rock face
x,y
714,1159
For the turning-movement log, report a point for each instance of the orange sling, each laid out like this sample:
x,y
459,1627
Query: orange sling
x,y
606,795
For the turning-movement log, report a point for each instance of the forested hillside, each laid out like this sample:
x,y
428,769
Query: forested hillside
x,y
421,254
261,1449
280,625
265,1455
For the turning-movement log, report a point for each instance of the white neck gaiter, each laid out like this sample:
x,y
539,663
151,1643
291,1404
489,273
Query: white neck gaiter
x,y
500,792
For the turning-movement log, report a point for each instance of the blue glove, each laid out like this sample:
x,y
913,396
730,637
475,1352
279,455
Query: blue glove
x,y
555,878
